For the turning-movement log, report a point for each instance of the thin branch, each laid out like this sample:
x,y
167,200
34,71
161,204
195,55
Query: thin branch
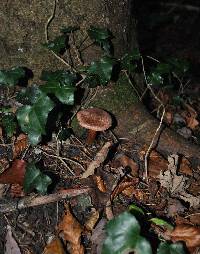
x,y
49,21
29,201
187,7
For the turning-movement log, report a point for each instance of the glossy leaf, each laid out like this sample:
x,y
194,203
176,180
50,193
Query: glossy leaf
x,y
64,77
102,68
64,93
173,248
142,246
11,77
28,95
123,233
155,78
163,68
9,124
160,222
69,29
32,118
35,179
101,37
179,66
58,45
134,208
128,61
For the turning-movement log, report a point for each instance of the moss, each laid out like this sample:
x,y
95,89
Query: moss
x,y
118,97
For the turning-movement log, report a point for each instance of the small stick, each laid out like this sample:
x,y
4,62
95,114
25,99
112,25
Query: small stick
x,y
41,200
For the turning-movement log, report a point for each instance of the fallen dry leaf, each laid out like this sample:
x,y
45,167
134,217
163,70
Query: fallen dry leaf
x,y
54,247
187,233
122,160
98,160
70,230
185,167
11,245
190,116
14,174
16,191
156,162
4,164
177,185
98,236
100,183
94,216
20,144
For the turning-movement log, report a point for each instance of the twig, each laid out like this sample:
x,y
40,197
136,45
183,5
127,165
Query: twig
x,y
159,126
49,21
62,159
41,200
188,7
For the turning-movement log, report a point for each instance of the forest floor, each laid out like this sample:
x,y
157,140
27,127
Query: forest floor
x,y
86,201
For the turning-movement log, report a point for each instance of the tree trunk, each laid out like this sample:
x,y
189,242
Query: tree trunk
x,y
22,29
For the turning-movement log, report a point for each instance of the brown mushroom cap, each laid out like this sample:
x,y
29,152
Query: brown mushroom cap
x,y
94,119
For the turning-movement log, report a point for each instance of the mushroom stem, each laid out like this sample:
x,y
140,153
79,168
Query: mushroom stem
x,y
91,135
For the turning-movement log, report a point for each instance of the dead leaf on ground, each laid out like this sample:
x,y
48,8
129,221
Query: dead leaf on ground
x,y
16,191
156,162
122,160
190,117
98,160
11,245
185,167
177,185
20,145
187,233
54,247
70,230
124,185
100,183
14,174
4,164
90,223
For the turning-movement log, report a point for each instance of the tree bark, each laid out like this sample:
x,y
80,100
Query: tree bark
x,y
22,29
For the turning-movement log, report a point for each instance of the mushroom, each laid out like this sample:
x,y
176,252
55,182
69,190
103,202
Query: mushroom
x,y
94,119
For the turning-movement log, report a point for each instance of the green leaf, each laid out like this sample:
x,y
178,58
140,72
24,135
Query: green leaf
x,y
32,118
142,246
101,37
133,208
69,29
155,78
179,66
123,233
64,77
11,77
35,179
160,222
9,124
102,68
163,68
173,248
99,34
128,61
64,93
58,45
28,95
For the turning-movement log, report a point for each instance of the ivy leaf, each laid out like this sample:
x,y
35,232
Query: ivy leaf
x,y
155,78
101,37
142,246
163,68
64,93
160,222
123,233
179,66
58,45
102,68
35,179
128,61
28,95
62,76
135,208
69,29
9,124
167,248
32,118
11,77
